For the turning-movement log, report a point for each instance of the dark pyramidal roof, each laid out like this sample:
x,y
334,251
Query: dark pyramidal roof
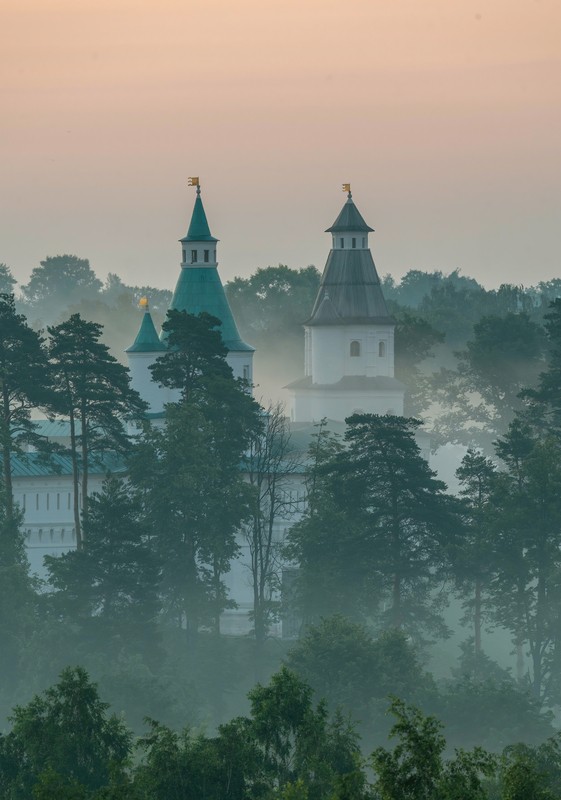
x,y
350,291
350,219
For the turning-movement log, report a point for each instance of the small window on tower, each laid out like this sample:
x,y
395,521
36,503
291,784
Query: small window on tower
x,y
341,243
193,256
184,256
246,372
215,255
364,241
353,242
355,349
206,254
382,349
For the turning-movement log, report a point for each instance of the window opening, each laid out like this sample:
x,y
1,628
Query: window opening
x,y
206,256
353,242
342,243
355,349
382,349
193,256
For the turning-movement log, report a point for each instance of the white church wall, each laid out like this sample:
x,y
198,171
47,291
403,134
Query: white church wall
x,y
47,503
315,404
331,348
241,363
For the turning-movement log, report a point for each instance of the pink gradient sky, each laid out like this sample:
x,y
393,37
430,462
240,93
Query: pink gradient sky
x,y
445,115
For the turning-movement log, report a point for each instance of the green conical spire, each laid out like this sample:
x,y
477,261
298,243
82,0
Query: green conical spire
x,y
147,340
198,229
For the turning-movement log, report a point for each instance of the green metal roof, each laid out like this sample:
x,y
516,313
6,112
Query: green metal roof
x,y
33,465
200,289
350,219
147,340
198,229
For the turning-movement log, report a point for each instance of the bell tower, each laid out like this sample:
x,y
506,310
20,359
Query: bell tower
x,y
199,287
349,337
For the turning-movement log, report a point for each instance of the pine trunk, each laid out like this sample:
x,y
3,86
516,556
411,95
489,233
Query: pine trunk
x,y
477,625
75,480
6,456
85,472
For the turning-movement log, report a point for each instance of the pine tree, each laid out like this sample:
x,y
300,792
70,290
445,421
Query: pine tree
x,y
110,589
473,558
25,384
381,531
94,392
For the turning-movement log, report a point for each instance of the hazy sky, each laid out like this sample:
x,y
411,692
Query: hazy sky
x,y
443,114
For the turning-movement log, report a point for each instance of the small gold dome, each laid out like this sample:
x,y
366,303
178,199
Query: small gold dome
x,y
143,303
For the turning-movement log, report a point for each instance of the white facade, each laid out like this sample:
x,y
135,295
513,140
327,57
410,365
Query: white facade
x,y
349,368
339,351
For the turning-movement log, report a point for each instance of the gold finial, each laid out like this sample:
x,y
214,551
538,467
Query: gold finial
x,y
347,188
143,303
195,182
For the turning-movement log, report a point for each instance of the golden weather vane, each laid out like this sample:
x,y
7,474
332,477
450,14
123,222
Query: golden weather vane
x,y
195,182
347,188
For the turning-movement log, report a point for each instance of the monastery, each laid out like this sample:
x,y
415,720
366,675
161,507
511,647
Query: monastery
x,y
349,368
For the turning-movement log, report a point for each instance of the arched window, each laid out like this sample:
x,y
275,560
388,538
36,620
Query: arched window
x,y
355,349
382,349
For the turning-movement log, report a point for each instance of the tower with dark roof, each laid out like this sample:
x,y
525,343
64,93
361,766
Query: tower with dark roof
x,y
349,351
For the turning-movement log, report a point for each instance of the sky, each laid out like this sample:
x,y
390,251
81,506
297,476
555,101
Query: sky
x,y
444,115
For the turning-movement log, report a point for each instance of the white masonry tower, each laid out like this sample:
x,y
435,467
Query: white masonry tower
x,y
349,346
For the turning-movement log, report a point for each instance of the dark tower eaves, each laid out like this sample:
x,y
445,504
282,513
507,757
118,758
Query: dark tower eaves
x,y
350,219
352,286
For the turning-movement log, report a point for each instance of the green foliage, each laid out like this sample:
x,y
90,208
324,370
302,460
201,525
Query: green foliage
x,y
110,589
25,384
64,737
379,532
341,661
94,393
526,594
60,281
473,558
298,741
415,769
274,302
7,280
481,397
490,713
196,354
415,339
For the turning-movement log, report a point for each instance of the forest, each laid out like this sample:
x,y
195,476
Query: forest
x,y
117,681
